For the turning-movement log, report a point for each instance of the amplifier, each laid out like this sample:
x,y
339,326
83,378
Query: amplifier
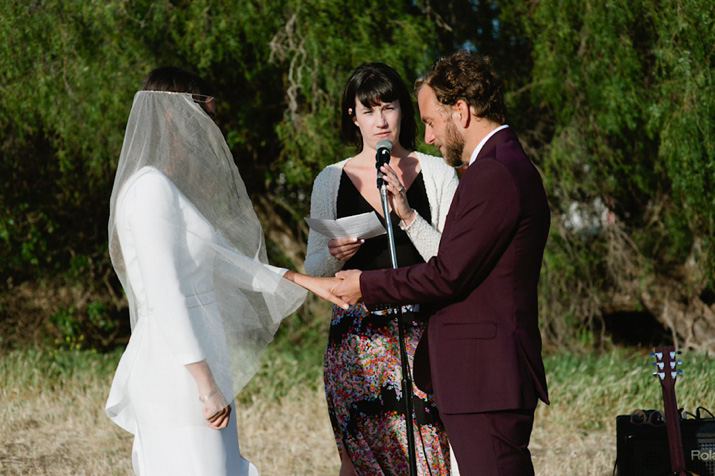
x,y
642,446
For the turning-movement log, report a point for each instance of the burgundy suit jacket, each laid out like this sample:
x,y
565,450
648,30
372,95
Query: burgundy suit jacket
x,y
483,337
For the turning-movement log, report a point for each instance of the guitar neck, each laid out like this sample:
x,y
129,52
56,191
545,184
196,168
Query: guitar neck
x,y
668,374
672,423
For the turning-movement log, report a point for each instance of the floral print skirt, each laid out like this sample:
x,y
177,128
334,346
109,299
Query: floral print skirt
x,y
363,376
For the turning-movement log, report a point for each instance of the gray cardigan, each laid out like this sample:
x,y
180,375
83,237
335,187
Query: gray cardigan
x,y
440,183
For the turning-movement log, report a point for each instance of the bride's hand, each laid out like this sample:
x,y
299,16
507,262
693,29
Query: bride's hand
x,y
321,287
216,410
398,195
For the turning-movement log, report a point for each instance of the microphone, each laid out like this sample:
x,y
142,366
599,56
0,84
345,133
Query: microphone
x,y
384,147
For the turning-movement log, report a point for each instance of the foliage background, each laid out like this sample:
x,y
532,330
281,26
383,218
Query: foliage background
x,y
614,102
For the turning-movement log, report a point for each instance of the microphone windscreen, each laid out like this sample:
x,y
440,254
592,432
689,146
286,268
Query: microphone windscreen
x,y
385,144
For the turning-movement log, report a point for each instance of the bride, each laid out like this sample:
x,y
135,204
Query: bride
x,y
190,254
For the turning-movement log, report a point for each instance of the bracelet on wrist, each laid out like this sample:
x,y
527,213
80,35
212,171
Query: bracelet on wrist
x,y
205,398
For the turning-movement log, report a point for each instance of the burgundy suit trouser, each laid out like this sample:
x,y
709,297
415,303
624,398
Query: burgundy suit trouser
x,y
492,443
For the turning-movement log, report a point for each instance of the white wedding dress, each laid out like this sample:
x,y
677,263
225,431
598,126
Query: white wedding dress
x,y
163,241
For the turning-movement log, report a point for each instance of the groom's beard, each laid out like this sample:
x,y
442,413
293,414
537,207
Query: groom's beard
x,y
453,146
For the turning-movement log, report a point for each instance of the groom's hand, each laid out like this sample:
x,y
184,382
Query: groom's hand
x,y
326,289
349,288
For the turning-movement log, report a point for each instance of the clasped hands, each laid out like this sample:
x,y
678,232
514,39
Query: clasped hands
x,y
348,286
342,290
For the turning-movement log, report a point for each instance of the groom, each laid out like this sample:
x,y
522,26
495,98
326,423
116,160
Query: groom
x,y
483,339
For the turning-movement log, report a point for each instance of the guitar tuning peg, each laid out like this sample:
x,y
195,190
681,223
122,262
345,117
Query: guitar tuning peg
x,y
680,362
672,365
658,355
660,365
679,371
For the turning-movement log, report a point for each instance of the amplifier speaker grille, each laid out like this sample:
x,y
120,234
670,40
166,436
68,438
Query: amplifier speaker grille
x,y
642,448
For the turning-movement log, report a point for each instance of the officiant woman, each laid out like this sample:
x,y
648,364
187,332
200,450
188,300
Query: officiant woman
x,y
362,370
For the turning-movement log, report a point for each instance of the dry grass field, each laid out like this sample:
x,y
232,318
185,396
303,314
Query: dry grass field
x,y
52,420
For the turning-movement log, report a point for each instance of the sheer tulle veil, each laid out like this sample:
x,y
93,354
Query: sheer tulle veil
x,y
171,133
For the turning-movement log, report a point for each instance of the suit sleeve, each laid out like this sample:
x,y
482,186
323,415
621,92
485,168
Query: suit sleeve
x,y
480,225
154,221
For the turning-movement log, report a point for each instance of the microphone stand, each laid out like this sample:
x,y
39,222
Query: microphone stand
x,y
406,381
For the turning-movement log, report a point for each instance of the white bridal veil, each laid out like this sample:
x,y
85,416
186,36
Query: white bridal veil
x,y
171,133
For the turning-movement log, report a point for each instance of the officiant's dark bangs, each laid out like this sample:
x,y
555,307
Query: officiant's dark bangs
x,y
375,90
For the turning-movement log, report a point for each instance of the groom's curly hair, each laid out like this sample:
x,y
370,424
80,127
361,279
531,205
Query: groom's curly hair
x,y
470,77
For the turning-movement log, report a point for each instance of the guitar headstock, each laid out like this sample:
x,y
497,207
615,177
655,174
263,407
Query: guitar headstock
x,y
666,363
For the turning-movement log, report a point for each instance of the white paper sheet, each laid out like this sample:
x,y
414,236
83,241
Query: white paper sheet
x,y
365,225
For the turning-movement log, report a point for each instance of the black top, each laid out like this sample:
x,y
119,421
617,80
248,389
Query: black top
x,y
375,252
